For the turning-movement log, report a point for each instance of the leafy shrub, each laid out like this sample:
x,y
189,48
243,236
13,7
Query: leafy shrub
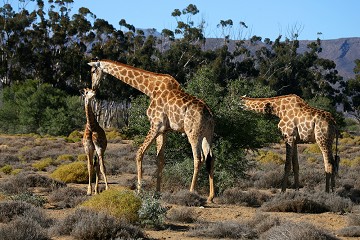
x,y
184,198
225,229
151,212
270,157
252,198
123,204
93,225
296,231
75,172
42,164
182,215
67,197
22,229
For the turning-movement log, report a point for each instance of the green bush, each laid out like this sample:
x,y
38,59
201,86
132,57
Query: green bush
x,y
123,204
151,212
35,107
7,169
42,164
75,172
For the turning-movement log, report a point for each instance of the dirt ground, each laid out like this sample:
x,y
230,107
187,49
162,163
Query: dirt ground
x,y
215,212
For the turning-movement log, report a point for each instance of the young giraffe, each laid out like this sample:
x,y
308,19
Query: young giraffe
x,y
94,139
300,123
170,109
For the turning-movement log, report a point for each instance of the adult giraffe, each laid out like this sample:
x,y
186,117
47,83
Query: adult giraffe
x,y
170,109
299,123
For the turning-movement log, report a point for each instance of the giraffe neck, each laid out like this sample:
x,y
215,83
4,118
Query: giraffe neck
x,y
91,122
144,81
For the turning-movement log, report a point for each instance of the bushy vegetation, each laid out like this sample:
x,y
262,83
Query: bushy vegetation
x,y
184,198
121,203
39,108
92,225
307,203
75,172
297,231
151,213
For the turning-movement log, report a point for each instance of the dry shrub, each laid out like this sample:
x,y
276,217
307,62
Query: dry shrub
x,y
75,172
93,225
182,215
123,204
225,229
351,231
184,198
269,176
29,197
67,197
22,182
23,229
263,222
353,228
307,203
11,210
296,231
252,198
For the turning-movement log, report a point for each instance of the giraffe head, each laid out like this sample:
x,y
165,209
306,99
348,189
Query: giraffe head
x,y
96,73
88,94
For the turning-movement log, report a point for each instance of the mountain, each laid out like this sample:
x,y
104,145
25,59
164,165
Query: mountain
x,y
343,51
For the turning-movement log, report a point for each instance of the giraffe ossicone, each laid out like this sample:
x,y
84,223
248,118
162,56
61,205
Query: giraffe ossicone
x,y
300,123
94,142
170,108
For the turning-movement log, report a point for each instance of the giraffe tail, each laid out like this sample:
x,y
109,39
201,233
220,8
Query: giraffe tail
x,y
207,153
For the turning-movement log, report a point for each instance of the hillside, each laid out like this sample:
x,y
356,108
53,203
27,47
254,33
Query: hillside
x,y
343,51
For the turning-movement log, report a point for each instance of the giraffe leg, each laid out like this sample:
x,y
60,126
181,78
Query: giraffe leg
x,y
326,149
160,147
196,150
97,174
295,164
102,168
90,166
287,168
140,154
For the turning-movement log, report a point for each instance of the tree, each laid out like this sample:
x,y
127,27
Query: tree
x,y
352,103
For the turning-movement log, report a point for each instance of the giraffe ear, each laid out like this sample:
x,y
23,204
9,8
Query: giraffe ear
x,y
94,64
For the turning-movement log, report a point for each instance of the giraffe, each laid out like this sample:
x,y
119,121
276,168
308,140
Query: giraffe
x,y
170,109
300,123
94,140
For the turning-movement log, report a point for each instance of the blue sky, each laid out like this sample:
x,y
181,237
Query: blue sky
x,y
267,19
